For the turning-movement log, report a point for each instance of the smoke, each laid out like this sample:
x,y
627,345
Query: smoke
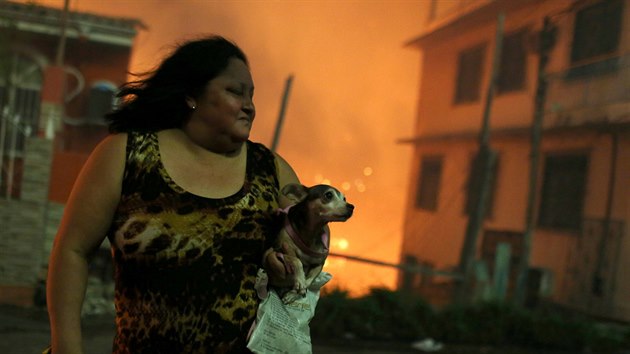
x,y
354,94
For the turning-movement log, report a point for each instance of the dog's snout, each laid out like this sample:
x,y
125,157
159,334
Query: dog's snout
x,y
349,209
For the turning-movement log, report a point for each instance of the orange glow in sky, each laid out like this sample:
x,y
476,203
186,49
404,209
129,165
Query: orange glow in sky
x,y
354,94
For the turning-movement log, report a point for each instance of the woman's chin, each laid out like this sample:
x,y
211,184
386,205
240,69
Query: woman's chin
x,y
242,133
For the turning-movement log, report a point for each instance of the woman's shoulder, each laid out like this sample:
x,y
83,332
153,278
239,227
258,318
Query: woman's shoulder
x,y
282,167
262,152
111,150
107,159
259,152
258,147
112,143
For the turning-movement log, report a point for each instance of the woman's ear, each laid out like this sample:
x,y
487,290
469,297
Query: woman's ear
x,y
191,103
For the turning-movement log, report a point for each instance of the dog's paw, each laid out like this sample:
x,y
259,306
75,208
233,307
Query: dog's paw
x,y
291,296
302,290
300,287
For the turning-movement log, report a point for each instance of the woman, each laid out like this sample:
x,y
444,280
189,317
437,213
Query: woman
x,y
187,203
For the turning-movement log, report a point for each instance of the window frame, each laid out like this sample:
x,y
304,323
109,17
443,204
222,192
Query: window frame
x,y
559,192
512,40
578,54
25,88
429,182
466,67
474,167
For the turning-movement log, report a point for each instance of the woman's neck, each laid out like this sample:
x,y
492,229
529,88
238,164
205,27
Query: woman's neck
x,y
206,149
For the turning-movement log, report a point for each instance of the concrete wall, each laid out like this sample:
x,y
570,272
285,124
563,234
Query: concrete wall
x,y
436,237
27,230
438,114
22,250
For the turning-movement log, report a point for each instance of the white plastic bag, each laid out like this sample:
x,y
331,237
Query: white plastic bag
x,y
281,328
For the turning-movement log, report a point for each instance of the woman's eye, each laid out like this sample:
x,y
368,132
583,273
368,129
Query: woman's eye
x,y
235,91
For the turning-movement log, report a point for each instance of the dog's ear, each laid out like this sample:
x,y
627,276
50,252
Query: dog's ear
x,y
295,192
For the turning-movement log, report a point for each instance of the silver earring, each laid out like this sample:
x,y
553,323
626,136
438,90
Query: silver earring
x,y
194,107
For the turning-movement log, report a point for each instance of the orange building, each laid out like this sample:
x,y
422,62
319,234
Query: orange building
x,y
580,240
53,96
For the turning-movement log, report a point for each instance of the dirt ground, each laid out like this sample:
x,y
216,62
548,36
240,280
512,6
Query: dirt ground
x,y
26,331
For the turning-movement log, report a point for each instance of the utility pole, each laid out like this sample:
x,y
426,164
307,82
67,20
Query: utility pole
x,y
54,85
485,160
61,47
283,108
599,279
545,44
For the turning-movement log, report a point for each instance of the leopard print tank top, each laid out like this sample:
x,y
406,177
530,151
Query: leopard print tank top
x,y
185,265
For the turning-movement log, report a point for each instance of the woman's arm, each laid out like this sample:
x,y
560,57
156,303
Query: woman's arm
x,y
87,216
271,261
286,175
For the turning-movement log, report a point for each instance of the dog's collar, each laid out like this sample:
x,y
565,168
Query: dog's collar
x,y
298,240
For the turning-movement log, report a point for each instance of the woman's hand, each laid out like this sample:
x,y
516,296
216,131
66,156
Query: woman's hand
x,y
281,273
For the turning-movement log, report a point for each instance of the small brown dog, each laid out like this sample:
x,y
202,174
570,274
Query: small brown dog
x,y
304,239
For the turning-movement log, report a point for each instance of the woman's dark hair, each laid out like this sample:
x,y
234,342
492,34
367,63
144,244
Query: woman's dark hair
x,y
157,100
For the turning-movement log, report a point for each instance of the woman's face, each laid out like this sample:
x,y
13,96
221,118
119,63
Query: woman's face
x,y
225,111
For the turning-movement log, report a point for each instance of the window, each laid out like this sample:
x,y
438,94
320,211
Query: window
x,y
19,111
563,191
513,63
429,183
597,30
473,185
469,74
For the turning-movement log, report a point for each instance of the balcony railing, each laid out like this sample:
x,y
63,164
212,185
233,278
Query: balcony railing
x,y
590,94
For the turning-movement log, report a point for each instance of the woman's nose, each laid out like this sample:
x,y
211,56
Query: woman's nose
x,y
249,107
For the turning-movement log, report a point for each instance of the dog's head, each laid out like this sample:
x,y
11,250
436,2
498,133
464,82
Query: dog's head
x,y
322,200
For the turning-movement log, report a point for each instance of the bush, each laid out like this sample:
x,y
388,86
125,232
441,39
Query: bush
x,y
383,314
331,314
484,324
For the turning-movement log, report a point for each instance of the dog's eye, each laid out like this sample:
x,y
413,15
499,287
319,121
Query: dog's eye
x,y
328,195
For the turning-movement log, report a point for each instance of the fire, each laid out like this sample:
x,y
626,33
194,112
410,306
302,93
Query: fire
x,y
353,96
